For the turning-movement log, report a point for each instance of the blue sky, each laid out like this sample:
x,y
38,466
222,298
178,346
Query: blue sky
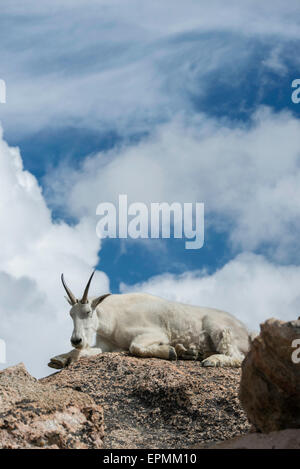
x,y
164,102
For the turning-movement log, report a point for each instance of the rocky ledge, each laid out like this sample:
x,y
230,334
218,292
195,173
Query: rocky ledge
x,y
117,401
36,415
152,403
147,403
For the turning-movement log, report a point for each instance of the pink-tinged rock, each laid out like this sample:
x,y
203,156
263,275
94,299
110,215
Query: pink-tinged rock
x,y
283,439
154,403
270,382
35,415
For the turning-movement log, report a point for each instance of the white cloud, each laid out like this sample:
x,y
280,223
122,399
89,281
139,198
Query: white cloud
x,y
274,61
34,318
248,176
249,287
126,64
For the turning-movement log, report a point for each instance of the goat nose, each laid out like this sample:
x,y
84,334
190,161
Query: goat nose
x,y
76,341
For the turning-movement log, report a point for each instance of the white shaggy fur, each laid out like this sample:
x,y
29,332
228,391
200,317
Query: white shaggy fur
x,y
149,326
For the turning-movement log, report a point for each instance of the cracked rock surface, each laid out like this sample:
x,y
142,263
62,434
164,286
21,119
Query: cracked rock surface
x,y
36,415
153,403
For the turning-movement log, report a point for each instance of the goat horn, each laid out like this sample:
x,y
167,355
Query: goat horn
x,y
86,291
70,294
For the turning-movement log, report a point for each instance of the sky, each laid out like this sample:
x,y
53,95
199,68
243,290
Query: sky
x,y
165,102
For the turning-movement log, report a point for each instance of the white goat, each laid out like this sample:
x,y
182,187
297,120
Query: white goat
x,y
149,326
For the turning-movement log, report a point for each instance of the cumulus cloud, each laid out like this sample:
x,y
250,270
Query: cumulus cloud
x,y
34,251
247,176
249,286
127,64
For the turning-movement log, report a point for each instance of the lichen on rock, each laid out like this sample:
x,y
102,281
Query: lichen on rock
x,y
36,415
270,383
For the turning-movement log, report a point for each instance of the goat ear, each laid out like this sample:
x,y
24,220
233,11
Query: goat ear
x,y
99,300
70,303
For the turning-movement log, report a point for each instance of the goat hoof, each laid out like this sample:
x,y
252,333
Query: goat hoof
x,y
186,354
190,354
59,362
172,354
55,365
222,361
180,349
208,362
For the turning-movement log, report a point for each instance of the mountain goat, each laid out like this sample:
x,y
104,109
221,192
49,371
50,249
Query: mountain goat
x,y
149,326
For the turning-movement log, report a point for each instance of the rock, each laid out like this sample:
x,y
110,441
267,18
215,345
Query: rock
x,y
270,383
36,415
153,403
284,439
